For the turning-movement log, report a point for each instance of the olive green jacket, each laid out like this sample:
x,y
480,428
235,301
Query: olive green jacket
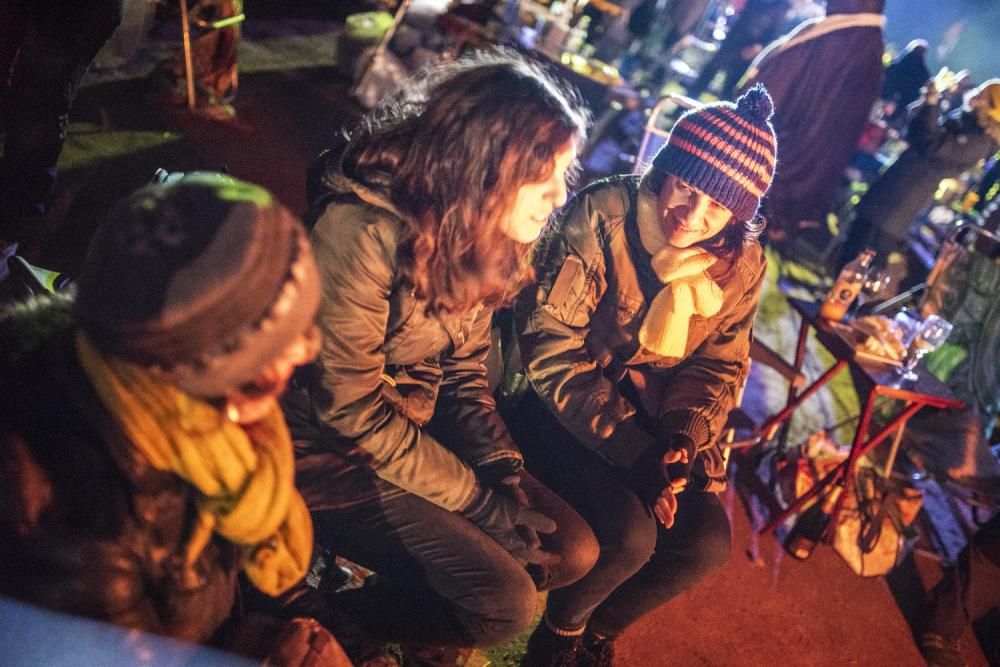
x,y
579,335
395,394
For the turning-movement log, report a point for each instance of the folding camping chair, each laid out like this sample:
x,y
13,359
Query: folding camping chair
x,y
206,26
661,119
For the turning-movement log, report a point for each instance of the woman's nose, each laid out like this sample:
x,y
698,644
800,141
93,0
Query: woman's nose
x,y
696,207
560,193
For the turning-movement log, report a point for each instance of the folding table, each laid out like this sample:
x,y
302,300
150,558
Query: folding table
x,y
873,379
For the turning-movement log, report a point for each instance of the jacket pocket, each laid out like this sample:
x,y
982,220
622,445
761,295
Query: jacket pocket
x,y
567,289
627,309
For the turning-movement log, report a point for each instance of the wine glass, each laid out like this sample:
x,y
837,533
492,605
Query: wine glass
x,y
876,281
932,332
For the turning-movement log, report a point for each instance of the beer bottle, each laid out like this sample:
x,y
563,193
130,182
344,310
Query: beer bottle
x,y
809,528
846,288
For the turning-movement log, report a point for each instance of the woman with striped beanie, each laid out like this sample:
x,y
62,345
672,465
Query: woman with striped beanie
x,y
635,343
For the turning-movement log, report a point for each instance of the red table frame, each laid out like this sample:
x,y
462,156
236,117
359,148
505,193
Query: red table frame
x,y
874,379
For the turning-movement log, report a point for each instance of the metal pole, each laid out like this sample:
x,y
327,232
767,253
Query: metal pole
x,y
188,65
382,45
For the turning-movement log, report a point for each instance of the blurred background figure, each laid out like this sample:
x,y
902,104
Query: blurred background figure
x,y
683,16
940,146
759,23
904,78
824,77
45,50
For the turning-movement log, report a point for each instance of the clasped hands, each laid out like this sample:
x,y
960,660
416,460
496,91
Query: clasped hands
x,y
500,508
662,472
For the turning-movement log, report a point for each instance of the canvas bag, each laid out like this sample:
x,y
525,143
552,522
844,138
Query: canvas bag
x,y
873,532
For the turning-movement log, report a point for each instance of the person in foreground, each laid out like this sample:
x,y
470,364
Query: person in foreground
x,y
422,221
635,343
967,592
145,462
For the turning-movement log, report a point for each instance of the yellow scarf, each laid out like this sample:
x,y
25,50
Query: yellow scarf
x,y
244,474
687,288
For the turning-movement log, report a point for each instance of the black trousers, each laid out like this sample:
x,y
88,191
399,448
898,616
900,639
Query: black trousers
x,y
60,39
641,565
972,588
440,580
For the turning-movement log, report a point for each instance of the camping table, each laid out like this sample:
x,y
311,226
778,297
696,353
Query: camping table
x,y
873,380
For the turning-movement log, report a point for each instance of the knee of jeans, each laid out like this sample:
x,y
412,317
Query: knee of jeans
x,y
504,613
632,543
711,550
578,555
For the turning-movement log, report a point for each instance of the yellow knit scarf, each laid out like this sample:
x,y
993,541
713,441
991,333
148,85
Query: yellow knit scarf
x,y
687,290
244,475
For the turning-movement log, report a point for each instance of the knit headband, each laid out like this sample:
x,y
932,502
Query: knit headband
x,y
208,272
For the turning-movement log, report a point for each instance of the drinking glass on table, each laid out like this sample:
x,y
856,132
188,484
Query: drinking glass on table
x,y
876,282
933,331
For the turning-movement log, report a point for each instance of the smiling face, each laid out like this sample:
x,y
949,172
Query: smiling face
x,y
535,202
688,216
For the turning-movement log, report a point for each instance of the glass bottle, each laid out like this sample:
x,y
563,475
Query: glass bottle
x,y
845,289
809,528
578,35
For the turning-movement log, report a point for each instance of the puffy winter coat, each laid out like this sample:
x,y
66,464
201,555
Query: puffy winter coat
x,y
397,400
87,526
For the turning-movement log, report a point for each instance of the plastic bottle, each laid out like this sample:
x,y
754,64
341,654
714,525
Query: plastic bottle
x,y
847,286
811,525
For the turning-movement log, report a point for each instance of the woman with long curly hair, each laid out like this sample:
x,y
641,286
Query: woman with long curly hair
x,y
422,219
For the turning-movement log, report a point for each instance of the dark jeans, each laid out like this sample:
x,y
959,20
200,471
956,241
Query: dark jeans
x,y
60,39
641,565
971,588
441,580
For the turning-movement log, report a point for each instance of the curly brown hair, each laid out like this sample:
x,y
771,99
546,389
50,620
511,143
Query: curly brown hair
x,y
454,146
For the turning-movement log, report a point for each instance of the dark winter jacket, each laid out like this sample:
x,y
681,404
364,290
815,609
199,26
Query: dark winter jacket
x,y
823,85
397,400
87,527
579,335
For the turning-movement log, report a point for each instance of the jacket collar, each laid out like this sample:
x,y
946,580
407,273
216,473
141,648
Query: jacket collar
x,y
327,178
647,217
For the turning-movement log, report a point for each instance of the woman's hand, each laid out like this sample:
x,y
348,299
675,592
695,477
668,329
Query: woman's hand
x,y
665,506
512,525
661,473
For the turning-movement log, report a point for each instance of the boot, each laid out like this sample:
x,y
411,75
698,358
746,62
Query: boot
x,y
548,649
939,651
597,651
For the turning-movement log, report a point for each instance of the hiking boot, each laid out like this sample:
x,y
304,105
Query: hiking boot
x,y
597,651
939,651
547,649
